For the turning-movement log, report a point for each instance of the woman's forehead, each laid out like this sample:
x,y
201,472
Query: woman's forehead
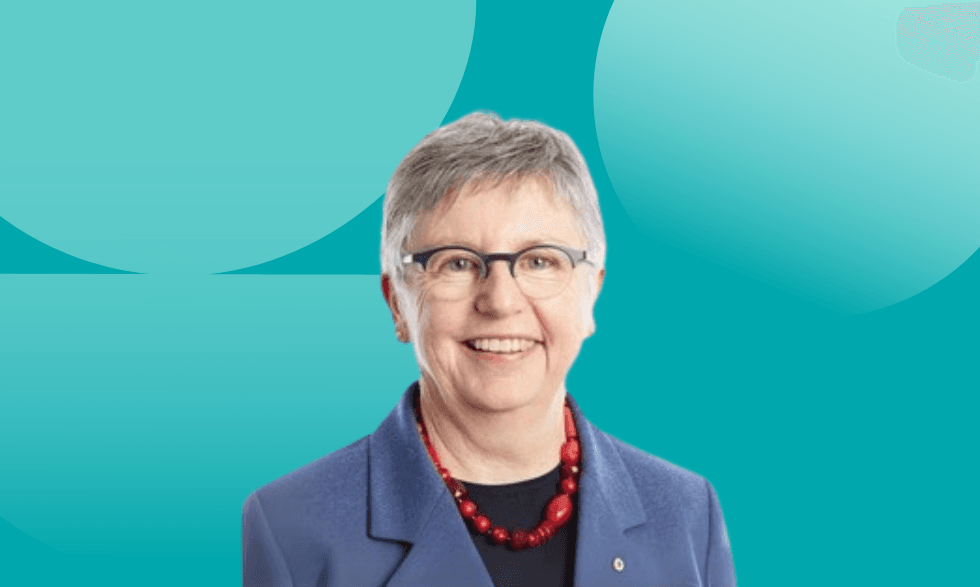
x,y
510,215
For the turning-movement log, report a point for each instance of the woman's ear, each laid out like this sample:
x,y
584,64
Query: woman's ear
x,y
388,291
595,286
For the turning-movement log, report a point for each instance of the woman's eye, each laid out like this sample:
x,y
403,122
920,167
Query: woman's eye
x,y
539,262
459,264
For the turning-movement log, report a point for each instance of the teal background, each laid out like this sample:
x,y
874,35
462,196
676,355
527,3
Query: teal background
x,y
137,412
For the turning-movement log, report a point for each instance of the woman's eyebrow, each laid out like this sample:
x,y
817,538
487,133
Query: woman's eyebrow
x,y
545,241
526,244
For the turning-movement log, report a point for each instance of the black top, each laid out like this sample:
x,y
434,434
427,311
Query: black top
x,y
522,505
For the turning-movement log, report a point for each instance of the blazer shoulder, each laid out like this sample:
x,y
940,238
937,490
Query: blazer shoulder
x,y
681,509
332,478
310,527
664,486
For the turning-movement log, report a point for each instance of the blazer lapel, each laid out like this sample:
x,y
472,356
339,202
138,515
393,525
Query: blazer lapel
x,y
609,505
409,503
443,554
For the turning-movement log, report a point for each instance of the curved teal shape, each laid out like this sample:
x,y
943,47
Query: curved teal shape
x,y
203,138
139,411
23,557
22,253
16,542
956,294
792,142
559,94
352,249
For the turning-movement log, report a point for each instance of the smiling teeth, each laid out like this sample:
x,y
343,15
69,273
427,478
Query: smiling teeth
x,y
502,345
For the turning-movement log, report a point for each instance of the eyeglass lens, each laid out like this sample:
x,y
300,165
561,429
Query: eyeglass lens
x,y
540,273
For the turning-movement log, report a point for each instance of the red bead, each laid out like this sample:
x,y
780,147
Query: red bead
x,y
456,489
570,430
518,539
481,523
570,452
467,509
559,509
444,473
569,470
538,538
548,528
499,535
568,485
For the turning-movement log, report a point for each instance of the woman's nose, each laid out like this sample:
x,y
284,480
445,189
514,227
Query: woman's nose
x,y
498,293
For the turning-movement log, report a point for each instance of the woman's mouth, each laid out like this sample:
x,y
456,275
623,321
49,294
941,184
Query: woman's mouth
x,y
500,346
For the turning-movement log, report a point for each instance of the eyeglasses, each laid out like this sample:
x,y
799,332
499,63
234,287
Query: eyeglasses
x,y
541,271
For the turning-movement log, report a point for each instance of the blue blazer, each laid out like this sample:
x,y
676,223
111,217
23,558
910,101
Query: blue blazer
x,y
377,513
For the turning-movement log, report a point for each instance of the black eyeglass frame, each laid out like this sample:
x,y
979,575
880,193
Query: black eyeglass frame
x,y
422,257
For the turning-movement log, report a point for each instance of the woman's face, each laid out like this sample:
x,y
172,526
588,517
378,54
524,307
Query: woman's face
x,y
508,218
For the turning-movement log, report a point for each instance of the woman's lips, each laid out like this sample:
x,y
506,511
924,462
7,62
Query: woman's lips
x,y
499,356
501,344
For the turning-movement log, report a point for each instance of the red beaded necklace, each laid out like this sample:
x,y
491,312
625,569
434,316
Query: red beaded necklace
x,y
556,514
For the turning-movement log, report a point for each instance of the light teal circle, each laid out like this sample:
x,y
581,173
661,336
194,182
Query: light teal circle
x,y
190,137
137,412
828,148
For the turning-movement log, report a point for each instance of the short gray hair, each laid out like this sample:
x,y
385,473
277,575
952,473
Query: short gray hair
x,y
482,147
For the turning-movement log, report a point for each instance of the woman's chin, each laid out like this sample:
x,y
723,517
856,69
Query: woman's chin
x,y
503,394
496,382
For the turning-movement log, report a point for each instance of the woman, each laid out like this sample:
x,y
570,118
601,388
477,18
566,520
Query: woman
x,y
486,473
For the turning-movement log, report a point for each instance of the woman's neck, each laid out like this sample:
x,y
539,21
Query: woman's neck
x,y
494,447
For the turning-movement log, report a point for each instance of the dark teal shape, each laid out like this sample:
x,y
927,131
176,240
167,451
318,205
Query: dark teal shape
x,y
13,540
955,297
352,249
537,61
22,253
36,562
532,61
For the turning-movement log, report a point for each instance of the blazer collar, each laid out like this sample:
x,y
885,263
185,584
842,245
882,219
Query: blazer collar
x,y
408,503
